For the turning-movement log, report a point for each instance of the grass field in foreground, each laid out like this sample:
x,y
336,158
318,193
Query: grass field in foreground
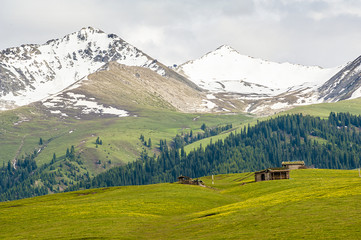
x,y
313,204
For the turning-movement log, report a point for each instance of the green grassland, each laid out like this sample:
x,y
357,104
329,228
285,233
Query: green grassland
x,y
323,109
313,204
120,136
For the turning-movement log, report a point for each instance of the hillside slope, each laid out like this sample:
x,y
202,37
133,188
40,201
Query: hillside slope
x,y
346,84
313,204
116,86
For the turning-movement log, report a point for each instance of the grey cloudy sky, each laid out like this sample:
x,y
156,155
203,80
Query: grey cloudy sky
x,y
308,32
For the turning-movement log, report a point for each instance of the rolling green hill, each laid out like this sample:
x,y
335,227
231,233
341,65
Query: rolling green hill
x,y
312,204
323,109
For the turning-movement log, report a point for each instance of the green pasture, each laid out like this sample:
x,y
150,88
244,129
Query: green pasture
x,y
323,109
312,204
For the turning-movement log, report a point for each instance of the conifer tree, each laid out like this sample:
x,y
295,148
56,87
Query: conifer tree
x,y
54,158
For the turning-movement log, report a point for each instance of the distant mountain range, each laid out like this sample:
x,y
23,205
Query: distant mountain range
x,y
221,81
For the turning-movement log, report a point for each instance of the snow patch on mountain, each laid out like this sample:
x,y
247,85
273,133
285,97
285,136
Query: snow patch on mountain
x,y
208,105
81,103
356,94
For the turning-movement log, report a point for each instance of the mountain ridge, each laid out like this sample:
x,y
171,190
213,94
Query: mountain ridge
x,y
227,64
232,82
60,62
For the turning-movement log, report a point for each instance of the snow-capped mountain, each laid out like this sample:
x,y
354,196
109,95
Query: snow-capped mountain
x,y
32,72
231,82
226,70
346,84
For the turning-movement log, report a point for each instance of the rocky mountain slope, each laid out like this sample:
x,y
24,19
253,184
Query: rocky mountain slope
x,y
346,84
120,90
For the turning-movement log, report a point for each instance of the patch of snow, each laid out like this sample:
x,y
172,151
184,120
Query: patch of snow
x,y
55,112
208,104
231,104
211,96
259,109
280,105
75,96
80,101
248,107
93,107
356,94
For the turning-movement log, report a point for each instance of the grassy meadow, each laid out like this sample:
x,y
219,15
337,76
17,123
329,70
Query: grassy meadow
x,y
313,204
323,110
21,130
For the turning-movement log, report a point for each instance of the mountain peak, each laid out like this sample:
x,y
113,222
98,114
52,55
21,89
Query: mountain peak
x,y
86,31
88,34
225,47
226,70
33,72
91,30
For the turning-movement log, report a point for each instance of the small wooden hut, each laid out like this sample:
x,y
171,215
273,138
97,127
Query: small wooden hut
x,y
187,180
294,165
184,179
272,174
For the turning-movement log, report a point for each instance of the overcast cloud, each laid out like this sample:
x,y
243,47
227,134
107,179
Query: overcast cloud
x,y
308,32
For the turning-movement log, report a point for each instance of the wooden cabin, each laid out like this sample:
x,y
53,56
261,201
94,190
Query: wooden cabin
x,y
184,179
272,174
187,180
294,165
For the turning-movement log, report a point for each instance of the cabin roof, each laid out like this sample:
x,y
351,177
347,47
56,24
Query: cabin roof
x,y
294,163
273,170
181,177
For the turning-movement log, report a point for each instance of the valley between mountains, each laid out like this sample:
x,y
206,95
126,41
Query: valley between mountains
x,y
104,130
59,99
